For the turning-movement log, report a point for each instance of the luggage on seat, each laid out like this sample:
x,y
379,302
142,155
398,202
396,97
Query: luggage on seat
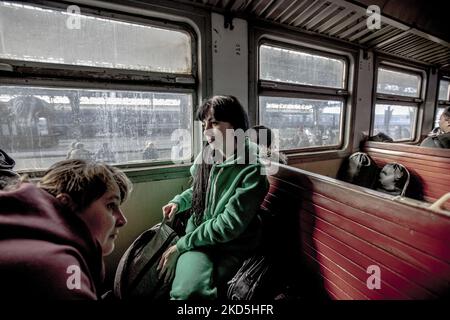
x,y
136,275
393,179
359,169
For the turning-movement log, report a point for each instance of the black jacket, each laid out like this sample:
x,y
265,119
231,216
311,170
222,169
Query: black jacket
x,y
439,141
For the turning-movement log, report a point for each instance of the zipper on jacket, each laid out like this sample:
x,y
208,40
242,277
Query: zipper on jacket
x,y
207,191
214,189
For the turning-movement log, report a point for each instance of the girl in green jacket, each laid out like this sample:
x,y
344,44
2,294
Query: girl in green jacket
x,y
228,188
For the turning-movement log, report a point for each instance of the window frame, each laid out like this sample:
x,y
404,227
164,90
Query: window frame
x,y
398,103
393,99
441,104
46,69
63,76
301,91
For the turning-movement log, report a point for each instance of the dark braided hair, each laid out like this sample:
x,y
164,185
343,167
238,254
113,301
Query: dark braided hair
x,y
223,108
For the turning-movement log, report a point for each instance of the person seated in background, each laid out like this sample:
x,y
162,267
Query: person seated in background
x,y
54,234
105,154
440,137
150,152
263,137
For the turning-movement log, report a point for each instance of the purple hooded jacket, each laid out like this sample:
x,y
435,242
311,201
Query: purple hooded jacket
x,y
46,252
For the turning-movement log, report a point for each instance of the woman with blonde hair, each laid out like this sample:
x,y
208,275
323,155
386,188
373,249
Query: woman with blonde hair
x,y
53,235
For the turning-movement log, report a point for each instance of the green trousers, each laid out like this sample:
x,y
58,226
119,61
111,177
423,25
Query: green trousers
x,y
203,275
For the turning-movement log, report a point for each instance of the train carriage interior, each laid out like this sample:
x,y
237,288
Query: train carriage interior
x,y
120,81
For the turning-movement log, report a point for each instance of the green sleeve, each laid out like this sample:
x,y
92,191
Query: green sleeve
x,y
238,213
183,200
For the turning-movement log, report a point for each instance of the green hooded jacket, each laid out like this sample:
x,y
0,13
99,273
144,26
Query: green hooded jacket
x,y
235,193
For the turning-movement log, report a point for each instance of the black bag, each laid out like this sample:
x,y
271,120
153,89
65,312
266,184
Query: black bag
x,y
7,175
381,137
393,179
6,164
442,140
359,169
136,274
251,281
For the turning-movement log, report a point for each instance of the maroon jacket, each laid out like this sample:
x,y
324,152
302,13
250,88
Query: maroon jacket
x,y
45,251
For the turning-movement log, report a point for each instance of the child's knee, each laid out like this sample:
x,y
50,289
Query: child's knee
x,y
196,292
193,277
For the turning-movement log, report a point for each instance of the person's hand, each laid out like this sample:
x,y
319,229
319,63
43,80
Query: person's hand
x,y
167,264
169,210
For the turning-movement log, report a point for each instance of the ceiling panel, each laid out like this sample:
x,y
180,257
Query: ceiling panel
x,y
346,21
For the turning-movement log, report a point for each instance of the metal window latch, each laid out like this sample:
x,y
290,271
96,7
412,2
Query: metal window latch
x,y
6,67
268,84
342,92
186,80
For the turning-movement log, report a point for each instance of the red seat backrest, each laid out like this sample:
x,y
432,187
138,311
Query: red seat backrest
x,y
341,230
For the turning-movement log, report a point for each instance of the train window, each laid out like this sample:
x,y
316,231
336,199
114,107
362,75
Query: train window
x,y
42,35
398,93
292,66
44,125
443,99
302,122
439,112
68,95
398,83
302,96
397,121
444,90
